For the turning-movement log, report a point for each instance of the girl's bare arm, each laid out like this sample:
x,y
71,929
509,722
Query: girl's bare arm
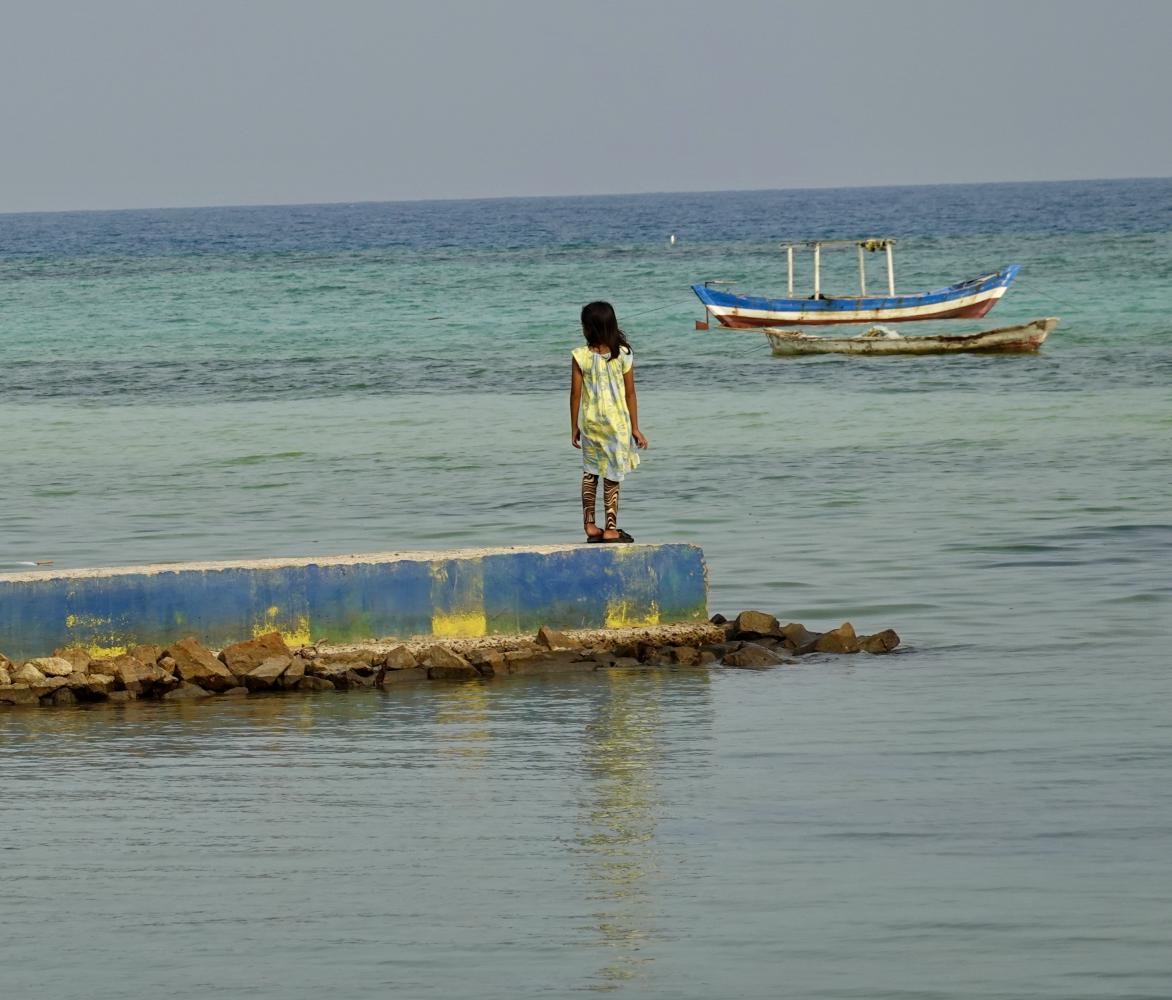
x,y
575,401
633,407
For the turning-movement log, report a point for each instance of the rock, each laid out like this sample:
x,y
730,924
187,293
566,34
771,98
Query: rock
x,y
335,673
244,657
355,679
799,639
705,657
52,666
196,665
91,687
28,674
79,657
62,698
293,673
554,662
5,676
490,662
754,624
19,694
5,661
465,673
311,683
441,656
134,675
167,664
751,656
717,619
552,639
122,696
187,692
236,692
399,658
103,666
687,656
146,653
266,674
838,640
389,677
880,642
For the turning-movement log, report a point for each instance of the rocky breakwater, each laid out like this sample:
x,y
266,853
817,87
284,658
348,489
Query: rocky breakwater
x,y
186,670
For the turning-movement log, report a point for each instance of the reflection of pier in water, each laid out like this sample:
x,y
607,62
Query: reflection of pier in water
x,y
620,812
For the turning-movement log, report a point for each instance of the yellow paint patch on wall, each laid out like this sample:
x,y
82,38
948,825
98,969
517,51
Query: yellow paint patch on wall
x,y
97,637
294,631
622,614
459,625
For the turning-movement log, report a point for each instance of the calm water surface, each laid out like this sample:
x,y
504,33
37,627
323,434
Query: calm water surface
x,y
985,814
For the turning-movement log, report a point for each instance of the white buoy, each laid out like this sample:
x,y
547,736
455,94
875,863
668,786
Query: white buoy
x,y
673,239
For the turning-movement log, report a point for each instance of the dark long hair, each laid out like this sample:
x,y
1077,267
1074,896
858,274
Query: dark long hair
x,y
601,327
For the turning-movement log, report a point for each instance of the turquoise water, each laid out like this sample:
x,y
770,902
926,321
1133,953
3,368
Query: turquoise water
x,y
985,814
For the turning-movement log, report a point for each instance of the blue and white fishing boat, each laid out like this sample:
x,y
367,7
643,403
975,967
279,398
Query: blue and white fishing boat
x,y
964,300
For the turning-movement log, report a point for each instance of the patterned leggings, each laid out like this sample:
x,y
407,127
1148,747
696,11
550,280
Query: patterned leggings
x,y
610,499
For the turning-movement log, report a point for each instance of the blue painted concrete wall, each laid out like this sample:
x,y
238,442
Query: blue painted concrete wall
x,y
471,593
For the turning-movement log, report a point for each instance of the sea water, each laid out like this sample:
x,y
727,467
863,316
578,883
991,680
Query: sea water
x,y
986,813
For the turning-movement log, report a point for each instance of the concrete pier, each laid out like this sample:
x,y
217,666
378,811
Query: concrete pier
x,y
463,593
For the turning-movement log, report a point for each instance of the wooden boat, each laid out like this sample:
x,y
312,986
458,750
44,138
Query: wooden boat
x,y
1008,339
968,299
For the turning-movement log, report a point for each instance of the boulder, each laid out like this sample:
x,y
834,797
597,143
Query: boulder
x,y
266,674
5,676
187,692
399,658
687,656
799,639
354,679
52,666
244,657
754,624
122,696
705,657
20,694
552,639
61,698
132,674
717,619
311,683
28,674
467,672
880,642
838,640
235,692
490,662
293,673
335,673
389,677
91,687
146,653
196,665
753,657
79,657
442,657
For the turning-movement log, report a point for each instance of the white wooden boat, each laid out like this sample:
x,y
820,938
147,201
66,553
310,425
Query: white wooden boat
x,y
879,340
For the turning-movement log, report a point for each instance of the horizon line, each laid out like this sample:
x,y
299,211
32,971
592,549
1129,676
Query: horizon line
x,y
568,197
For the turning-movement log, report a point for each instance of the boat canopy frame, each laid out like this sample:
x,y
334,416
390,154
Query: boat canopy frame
x,y
863,247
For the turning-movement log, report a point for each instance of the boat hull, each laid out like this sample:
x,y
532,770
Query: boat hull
x,y
969,299
1006,340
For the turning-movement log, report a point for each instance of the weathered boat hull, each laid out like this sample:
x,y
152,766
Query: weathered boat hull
x,y
969,299
1010,339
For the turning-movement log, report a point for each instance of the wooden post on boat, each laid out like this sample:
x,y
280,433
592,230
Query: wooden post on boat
x,y
890,272
817,269
789,271
862,273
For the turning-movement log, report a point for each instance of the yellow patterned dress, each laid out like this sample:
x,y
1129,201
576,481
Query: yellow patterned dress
x,y
603,419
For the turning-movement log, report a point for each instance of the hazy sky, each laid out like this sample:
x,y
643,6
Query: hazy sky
x,y
143,103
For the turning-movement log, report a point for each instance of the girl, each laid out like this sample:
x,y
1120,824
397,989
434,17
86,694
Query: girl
x,y
604,416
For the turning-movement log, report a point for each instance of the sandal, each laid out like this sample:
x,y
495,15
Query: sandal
x,y
623,537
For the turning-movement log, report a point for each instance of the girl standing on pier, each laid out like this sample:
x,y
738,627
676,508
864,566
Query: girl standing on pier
x,y
604,417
